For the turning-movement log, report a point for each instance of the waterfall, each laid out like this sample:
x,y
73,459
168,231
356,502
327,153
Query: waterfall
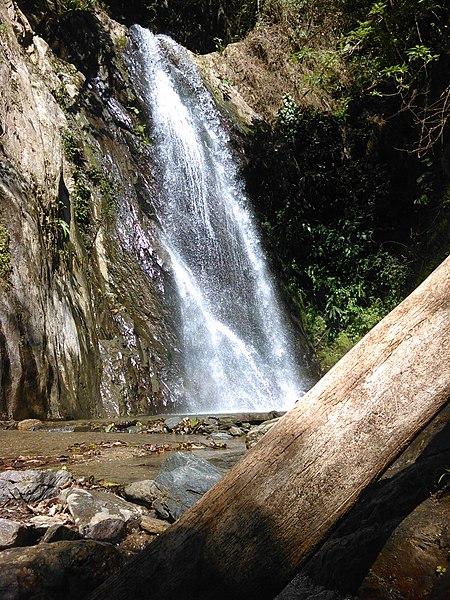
x,y
235,343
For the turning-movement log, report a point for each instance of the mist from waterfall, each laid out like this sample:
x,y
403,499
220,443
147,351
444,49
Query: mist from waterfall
x,y
236,347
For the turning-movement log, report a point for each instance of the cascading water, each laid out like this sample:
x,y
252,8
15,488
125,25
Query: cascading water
x,y
235,342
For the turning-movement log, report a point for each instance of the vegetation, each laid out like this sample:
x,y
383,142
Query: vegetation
x,y
5,256
353,199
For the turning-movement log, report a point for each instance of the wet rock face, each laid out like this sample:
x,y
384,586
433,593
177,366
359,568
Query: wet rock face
x,y
85,327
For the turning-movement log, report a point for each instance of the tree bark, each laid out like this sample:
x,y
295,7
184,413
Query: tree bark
x,y
249,535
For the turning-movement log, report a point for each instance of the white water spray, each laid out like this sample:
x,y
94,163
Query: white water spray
x,y
235,342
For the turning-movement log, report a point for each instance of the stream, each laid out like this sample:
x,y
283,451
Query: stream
x,y
113,457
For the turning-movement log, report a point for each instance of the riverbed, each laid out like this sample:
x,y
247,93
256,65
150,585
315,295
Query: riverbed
x,y
113,457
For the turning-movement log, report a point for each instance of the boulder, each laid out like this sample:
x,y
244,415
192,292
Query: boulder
x,y
145,491
32,485
29,424
183,479
12,534
67,569
99,515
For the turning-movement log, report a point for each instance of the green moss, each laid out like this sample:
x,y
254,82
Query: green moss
x,y
5,256
71,147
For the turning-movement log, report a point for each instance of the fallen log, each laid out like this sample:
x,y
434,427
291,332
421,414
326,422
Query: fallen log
x,y
249,535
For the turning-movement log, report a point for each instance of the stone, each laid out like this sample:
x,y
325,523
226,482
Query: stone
x,y
210,428
235,431
108,530
55,360
29,424
32,485
12,534
256,433
142,491
183,479
220,436
414,562
66,569
153,526
172,422
59,532
136,429
89,508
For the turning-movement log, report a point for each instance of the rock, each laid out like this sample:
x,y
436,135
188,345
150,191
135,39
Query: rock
x,y
66,350
32,485
210,428
90,508
235,431
136,429
46,521
142,491
153,526
220,436
29,424
108,530
394,543
12,534
255,434
67,569
414,561
183,479
172,422
58,533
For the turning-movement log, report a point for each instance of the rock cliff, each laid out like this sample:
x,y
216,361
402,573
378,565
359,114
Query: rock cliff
x,y
83,328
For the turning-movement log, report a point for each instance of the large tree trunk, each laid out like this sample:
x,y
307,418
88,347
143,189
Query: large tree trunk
x,y
247,537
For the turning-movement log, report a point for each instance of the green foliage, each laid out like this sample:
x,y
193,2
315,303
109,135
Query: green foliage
x,y
103,184
322,205
71,147
351,201
82,206
399,51
5,256
66,5
81,196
